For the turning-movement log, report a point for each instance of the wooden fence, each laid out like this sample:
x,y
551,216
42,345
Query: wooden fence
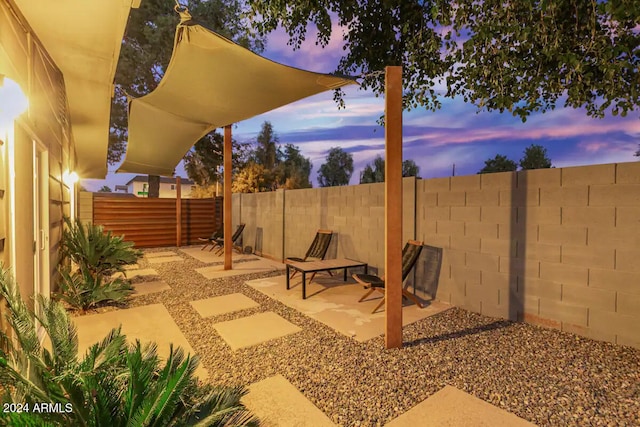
x,y
152,222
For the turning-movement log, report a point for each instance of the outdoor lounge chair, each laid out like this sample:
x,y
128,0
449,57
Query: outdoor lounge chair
x,y
316,251
410,255
236,235
211,240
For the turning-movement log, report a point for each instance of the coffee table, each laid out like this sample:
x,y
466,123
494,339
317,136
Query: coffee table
x,y
322,265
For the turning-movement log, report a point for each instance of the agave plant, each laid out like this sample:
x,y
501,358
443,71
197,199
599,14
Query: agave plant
x,y
113,384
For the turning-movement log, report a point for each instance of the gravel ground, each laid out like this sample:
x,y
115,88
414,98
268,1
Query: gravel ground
x,y
545,376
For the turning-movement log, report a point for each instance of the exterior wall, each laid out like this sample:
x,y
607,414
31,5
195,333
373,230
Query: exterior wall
x,y
166,192
554,247
45,125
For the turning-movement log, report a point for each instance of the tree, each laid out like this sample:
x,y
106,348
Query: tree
x,y
535,157
204,160
147,47
250,179
520,56
638,152
267,152
294,170
105,189
337,169
499,163
375,173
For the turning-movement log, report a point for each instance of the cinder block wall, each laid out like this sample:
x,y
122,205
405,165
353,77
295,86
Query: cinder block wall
x,y
555,247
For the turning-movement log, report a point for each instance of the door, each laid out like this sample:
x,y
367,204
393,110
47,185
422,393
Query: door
x,y
41,273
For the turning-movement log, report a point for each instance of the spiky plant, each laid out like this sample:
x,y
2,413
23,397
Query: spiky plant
x,y
100,252
83,290
113,384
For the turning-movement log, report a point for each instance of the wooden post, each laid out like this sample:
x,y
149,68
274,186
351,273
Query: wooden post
x,y
393,207
226,217
178,211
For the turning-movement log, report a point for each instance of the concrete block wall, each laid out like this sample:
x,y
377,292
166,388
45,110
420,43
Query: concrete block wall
x,y
555,247
263,215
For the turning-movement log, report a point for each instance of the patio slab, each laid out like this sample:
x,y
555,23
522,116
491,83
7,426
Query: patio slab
x,y
163,259
261,265
279,404
147,323
145,288
209,257
455,408
135,273
253,330
335,303
224,304
159,254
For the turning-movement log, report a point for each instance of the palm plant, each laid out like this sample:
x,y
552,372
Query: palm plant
x,y
96,256
112,385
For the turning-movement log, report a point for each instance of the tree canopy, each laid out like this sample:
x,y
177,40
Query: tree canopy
x,y
637,154
535,157
375,173
521,56
203,161
337,169
147,47
499,163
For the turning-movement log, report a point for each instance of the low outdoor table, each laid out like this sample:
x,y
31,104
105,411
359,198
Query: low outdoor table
x,y
323,265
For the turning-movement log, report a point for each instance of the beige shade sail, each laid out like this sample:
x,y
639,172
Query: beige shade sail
x,y
210,82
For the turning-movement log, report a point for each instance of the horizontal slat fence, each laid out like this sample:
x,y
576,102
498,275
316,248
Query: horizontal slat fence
x,y
152,222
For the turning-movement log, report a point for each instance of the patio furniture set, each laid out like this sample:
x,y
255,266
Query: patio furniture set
x,y
314,262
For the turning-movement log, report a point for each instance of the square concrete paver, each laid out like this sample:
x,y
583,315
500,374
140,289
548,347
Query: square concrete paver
x,y
209,257
279,404
224,304
160,254
260,266
145,288
335,303
455,408
135,273
161,259
253,330
147,323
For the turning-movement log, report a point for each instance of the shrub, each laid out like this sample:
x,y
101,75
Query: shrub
x,y
96,257
114,384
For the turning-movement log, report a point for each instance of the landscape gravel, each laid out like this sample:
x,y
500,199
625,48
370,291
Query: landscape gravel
x,y
548,377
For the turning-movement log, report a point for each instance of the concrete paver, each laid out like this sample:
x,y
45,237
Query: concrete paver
x,y
335,303
250,267
160,260
135,273
208,257
224,304
451,407
147,323
279,404
145,288
253,330
159,254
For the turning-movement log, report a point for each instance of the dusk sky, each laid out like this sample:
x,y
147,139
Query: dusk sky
x,y
434,140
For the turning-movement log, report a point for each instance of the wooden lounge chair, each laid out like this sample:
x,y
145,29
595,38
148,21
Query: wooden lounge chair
x,y
211,240
236,235
316,251
410,255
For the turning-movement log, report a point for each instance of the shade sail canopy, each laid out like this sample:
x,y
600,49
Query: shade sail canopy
x,y
210,82
84,38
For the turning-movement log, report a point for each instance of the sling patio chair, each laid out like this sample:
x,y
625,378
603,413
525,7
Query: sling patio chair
x,y
211,240
236,235
410,255
316,251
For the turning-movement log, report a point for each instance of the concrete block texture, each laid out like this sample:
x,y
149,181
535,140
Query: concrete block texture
x,y
564,196
465,213
562,234
563,312
627,260
451,198
616,280
520,197
502,247
628,216
481,229
614,195
628,304
541,288
620,237
434,185
502,180
596,174
465,183
498,214
538,215
602,299
619,324
540,251
451,228
490,197
588,256
628,173
465,243
538,178
564,273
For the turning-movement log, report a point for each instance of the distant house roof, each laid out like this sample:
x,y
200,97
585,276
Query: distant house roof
x,y
163,180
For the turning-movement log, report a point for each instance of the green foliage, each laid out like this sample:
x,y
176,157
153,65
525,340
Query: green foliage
x,y
637,154
204,160
499,163
337,169
535,157
250,179
105,189
97,256
148,45
520,56
113,384
267,152
294,170
375,173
